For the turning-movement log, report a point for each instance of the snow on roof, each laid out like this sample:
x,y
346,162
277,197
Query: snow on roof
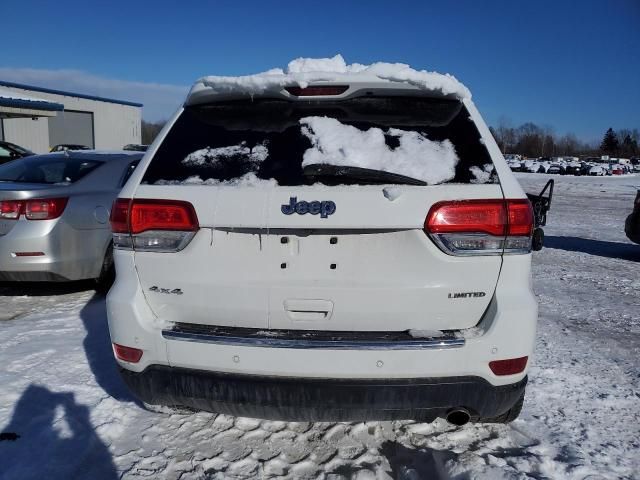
x,y
19,100
65,93
4,93
304,71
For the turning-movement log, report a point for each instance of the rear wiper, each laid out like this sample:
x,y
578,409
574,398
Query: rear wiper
x,y
364,175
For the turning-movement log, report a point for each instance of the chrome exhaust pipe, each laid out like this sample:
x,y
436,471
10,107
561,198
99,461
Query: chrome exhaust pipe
x,y
458,416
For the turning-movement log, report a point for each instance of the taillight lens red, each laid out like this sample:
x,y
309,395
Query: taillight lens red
x,y
162,215
520,218
477,216
35,209
127,354
120,215
495,217
317,90
510,366
10,209
481,227
138,216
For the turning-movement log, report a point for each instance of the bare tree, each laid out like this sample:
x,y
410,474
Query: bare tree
x,y
533,140
150,131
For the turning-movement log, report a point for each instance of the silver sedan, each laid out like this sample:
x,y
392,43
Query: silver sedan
x,y
54,214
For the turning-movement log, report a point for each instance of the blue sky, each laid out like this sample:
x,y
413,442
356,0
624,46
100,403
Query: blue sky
x,y
572,65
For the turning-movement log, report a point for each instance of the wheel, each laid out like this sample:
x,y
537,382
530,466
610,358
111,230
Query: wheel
x,y
537,242
107,272
508,416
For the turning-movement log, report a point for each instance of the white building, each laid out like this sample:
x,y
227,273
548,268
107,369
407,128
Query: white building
x,y
39,118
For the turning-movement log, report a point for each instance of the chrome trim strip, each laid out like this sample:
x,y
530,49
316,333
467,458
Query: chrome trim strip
x,y
268,342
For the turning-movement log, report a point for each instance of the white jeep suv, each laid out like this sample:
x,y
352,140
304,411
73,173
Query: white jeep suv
x,y
325,244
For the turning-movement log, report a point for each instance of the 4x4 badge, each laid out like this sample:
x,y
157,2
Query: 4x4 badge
x,y
324,208
175,291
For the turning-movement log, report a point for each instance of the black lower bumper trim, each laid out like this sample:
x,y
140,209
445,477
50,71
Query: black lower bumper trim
x,y
297,399
32,277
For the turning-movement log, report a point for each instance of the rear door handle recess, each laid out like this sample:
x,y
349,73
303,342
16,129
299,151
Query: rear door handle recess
x,y
308,310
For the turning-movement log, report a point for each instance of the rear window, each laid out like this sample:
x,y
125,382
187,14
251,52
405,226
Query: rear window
x,y
47,169
277,141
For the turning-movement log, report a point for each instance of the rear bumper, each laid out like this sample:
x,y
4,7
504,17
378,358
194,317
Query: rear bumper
x,y
282,398
64,252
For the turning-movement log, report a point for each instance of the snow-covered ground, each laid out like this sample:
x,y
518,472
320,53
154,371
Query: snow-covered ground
x,y
61,394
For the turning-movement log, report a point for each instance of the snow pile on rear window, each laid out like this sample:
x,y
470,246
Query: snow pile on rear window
x,y
210,156
416,156
482,175
247,180
304,71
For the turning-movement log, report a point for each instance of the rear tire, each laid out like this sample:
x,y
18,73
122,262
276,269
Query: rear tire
x,y
537,242
107,272
508,416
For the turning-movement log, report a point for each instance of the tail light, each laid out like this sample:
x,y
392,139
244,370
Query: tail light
x,y
35,209
44,209
510,366
10,209
153,225
481,227
127,354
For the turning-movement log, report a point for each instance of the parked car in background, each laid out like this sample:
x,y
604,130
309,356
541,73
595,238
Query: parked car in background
x,y
573,168
585,168
597,171
319,333
54,212
68,146
134,147
543,167
617,170
556,168
531,166
11,151
515,165
632,224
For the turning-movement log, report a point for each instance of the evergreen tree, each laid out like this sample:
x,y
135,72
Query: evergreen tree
x,y
609,143
629,146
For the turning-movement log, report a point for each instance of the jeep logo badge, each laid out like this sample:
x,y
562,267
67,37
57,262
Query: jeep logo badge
x,y
324,208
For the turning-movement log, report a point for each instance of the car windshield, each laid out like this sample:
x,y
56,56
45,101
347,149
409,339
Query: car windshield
x,y
4,152
18,148
428,139
47,169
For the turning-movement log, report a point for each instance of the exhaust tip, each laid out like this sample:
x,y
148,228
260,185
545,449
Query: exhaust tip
x,y
458,416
